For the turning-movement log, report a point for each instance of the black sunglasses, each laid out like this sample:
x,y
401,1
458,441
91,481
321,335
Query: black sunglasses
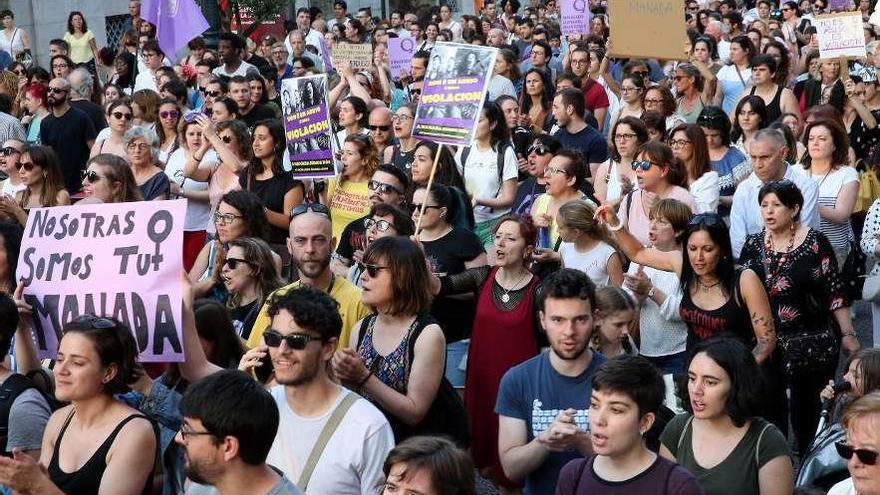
x,y
641,164
382,188
91,176
8,151
226,139
312,207
121,115
383,128
708,219
868,457
538,149
373,270
295,341
232,263
213,94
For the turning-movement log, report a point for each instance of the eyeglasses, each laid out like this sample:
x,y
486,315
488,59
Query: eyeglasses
x,y
679,143
415,91
382,188
645,165
538,149
232,263
27,166
398,118
579,61
213,94
91,176
87,322
57,90
627,90
625,136
173,114
380,225
20,72
295,341
121,115
59,66
707,219
312,207
149,54
373,270
383,128
138,146
225,218
868,457
554,170
185,431
9,150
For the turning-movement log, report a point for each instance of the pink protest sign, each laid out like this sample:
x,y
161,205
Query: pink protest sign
x,y
400,52
575,17
120,261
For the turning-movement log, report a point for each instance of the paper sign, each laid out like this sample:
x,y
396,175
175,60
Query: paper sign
x,y
840,35
359,55
121,261
655,29
453,91
575,18
400,52
307,126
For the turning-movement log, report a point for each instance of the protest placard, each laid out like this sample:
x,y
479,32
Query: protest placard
x,y
453,91
839,5
307,126
359,55
840,35
653,29
121,260
325,57
400,52
575,17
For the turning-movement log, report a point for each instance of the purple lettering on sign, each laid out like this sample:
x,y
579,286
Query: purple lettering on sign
x,y
400,52
575,17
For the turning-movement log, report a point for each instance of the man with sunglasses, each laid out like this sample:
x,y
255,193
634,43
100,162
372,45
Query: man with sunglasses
x,y
379,127
767,151
226,445
69,132
538,156
304,333
388,185
311,245
861,448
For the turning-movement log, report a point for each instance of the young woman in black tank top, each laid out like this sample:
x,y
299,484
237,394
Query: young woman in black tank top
x,y
96,443
718,298
763,73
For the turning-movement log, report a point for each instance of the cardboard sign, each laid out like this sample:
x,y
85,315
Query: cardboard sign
x,y
360,55
655,29
307,126
453,92
575,17
120,261
400,52
840,35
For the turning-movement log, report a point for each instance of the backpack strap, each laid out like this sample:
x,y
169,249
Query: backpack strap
x,y
326,432
422,321
12,387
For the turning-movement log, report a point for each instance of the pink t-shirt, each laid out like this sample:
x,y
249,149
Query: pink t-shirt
x,y
634,214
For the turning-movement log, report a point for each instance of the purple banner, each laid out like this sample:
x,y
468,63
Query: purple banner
x,y
307,126
400,52
839,5
452,92
575,17
325,57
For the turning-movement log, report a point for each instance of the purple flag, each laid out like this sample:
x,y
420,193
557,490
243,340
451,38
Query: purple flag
x,y
177,22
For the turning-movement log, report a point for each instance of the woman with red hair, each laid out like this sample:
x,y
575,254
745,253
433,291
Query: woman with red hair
x,y
37,108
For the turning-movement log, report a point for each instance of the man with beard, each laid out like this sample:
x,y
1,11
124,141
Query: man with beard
x,y
229,424
311,244
304,333
543,402
69,131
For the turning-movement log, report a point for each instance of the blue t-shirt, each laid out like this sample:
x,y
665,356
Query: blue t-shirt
x,y
536,393
588,141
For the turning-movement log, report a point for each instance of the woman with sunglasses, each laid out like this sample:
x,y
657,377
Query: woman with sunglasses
x,y
749,117
142,145
108,179
616,176
539,154
112,138
169,119
691,90
401,154
799,271
249,275
688,144
565,175
729,162
10,155
717,296
861,448
722,438
348,196
384,220
239,214
659,175
36,104
43,181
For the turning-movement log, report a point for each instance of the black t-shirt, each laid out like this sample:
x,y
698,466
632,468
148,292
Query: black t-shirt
x,y
271,192
353,236
258,113
447,255
258,61
93,110
69,137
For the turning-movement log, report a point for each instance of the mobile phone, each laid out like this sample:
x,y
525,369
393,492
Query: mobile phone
x,y
191,115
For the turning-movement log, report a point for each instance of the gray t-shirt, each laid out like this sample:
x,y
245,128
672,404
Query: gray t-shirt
x,y
27,419
283,487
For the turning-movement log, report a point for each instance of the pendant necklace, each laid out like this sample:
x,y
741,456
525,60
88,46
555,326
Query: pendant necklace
x,y
505,298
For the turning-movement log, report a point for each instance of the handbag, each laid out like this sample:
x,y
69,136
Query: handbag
x,y
26,59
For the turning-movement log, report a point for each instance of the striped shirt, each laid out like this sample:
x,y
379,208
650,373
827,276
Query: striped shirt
x,y
830,184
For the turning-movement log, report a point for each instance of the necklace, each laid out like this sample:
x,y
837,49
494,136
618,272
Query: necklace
x,y
505,298
769,249
705,288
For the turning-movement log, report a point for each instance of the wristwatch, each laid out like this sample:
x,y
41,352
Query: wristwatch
x,y
651,292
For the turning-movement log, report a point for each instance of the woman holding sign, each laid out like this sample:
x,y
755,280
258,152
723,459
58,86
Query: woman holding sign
x,y
44,184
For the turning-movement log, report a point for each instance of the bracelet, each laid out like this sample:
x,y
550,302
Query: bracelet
x,y
364,381
848,334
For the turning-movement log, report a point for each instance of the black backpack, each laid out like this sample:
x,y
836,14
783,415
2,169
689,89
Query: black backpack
x,y
12,387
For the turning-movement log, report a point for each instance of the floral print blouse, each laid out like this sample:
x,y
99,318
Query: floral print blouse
x,y
805,289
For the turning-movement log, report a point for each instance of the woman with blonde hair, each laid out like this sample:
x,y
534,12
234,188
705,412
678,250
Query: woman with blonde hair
x,y
587,245
348,196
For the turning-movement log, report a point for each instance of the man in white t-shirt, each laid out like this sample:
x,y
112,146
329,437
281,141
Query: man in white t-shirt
x,y
300,343
230,48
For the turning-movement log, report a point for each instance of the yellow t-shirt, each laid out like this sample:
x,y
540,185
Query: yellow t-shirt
x,y
80,51
347,203
351,310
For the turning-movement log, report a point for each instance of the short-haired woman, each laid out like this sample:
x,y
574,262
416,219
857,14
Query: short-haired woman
x,y
616,178
428,465
142,145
